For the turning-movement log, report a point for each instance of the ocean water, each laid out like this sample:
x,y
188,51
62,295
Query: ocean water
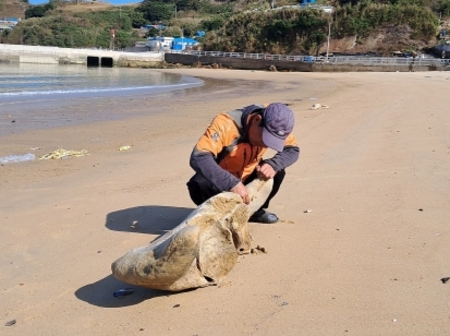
x,y
40,96
24,82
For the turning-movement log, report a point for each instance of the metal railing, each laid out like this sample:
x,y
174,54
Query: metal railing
x,y
361,60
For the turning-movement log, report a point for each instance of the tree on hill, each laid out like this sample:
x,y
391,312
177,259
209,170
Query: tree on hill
x,y
39,10
156,11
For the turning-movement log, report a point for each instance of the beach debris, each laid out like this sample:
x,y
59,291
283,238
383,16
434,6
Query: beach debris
x,y
444,280
124,148
420,209
318,106
17,158
63,154
261,248
285,303
307,211
200,251
258,249
176,305
123,292
10,323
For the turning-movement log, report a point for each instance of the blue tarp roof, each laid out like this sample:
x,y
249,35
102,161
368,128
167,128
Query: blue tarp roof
x,y
161,26
187,40
10,19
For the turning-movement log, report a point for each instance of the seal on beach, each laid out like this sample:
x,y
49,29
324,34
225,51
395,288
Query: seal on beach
x,y
201,250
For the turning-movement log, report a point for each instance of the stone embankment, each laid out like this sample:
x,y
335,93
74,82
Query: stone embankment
x,y
246,61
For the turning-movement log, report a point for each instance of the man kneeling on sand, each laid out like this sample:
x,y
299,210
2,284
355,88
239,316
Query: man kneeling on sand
x,y
229,154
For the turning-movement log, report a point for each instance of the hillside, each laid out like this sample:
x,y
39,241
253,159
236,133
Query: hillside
x,y
382,41
13,8
90,6
366,26
363,28
16,8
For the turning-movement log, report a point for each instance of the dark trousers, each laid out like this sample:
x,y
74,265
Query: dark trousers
x,y
200,189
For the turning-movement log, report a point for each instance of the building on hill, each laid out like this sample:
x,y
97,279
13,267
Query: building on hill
x,y
182,43
158,43
8,23
4,27
10,20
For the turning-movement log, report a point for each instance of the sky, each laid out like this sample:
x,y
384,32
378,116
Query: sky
x,y
113,2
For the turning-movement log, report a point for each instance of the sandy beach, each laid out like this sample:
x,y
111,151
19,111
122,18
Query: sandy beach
x,y
367,259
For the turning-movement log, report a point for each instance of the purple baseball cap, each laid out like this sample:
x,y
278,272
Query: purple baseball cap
x,y
278,124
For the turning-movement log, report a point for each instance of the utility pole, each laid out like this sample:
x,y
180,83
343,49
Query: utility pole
x,y
113,37
329,33
159,38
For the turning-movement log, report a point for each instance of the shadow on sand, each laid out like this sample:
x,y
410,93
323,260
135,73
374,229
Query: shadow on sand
x,y
152,219
101,293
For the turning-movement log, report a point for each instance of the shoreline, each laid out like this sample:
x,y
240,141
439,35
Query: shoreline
x,y
48,106
364,260
77,114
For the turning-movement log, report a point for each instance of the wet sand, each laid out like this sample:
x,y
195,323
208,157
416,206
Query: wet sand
x,y
366,260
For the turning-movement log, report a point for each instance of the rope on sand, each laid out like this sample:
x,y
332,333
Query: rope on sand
x,y
63,154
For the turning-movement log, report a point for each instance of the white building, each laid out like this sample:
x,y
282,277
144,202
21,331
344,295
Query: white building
x,y
157,43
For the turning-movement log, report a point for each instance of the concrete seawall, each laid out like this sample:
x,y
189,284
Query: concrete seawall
x,y
266,64
55,55
109,58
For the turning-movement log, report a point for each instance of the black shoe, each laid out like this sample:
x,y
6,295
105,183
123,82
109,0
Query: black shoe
x,y
263,217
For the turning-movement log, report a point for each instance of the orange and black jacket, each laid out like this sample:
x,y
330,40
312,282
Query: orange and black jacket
x,y
224,157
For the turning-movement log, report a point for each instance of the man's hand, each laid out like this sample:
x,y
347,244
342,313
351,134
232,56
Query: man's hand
x,y
241,190
265,171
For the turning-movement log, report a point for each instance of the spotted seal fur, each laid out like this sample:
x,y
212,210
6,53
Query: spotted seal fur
x,y
201,250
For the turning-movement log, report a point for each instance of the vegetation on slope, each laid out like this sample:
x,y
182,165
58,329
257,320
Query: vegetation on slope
x,y
84,29
237,25
298,31
13,8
